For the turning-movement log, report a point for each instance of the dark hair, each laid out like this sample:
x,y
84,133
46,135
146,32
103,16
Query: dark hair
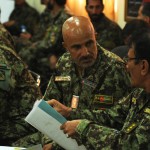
x,y
87,2
141,42
61,2
146,9
133,26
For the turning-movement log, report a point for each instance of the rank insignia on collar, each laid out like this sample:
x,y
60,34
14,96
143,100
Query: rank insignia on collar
x,y
147,110
62,78
131,127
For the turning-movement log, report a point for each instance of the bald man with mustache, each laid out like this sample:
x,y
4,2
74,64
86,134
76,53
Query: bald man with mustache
x,y
89,77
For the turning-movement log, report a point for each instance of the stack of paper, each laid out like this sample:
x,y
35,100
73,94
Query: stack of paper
x,y
44,118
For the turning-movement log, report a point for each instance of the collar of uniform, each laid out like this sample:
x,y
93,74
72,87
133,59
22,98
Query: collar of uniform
x,y
65,64
142,98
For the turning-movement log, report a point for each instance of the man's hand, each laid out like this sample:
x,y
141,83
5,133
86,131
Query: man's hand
x,y
47,147
9,23
25,35
70,127
62,109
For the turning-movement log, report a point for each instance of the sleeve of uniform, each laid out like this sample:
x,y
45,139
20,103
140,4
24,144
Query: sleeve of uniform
x,y
113,117
20,94
53,90
121,80
100,137
24,95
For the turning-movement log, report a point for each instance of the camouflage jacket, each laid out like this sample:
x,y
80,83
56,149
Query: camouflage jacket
x,y
18,91
100,87
37,54
26,16
39,30
109,34
132,113
44,22
51,42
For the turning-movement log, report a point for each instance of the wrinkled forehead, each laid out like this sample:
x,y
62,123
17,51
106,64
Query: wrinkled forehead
x,y
77,27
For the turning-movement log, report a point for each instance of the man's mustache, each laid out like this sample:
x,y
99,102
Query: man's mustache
x,y
95,15
85,58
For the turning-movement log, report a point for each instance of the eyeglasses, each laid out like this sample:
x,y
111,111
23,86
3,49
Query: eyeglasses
x,y
127,59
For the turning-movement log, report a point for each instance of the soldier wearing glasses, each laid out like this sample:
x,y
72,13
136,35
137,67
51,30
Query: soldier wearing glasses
x,y
134,110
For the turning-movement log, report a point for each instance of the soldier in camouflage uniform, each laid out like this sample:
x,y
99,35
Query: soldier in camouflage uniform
x,y
109,34
127,125
36,56
23,14
43,24
94,74
18,92
26,39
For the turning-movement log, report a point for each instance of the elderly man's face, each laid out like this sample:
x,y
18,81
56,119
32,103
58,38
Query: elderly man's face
x,y
94,9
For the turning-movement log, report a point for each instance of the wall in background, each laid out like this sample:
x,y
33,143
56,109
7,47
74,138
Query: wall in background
x,y
6,7
114,9
120,12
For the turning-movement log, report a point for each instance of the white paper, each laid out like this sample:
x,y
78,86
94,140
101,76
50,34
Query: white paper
x,y
51,127
11,148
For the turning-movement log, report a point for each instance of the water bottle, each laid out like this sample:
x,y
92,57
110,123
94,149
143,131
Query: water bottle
x,y
23,29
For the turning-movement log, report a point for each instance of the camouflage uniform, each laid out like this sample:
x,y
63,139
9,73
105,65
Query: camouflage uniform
x,y
129,135
45,20
24,15
109,34
18,92
39,29
36,56
100,87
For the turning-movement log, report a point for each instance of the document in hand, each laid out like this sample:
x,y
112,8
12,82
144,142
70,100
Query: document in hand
x,y
48,121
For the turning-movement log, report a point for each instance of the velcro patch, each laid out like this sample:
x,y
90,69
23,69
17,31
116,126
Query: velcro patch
x,y
62,78
105,99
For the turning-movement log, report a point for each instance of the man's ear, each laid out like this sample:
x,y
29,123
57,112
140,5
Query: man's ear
x,y
65,46
147,19
145,67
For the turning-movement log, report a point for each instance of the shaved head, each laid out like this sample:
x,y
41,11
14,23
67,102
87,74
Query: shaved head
x,y
79,40
76,26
